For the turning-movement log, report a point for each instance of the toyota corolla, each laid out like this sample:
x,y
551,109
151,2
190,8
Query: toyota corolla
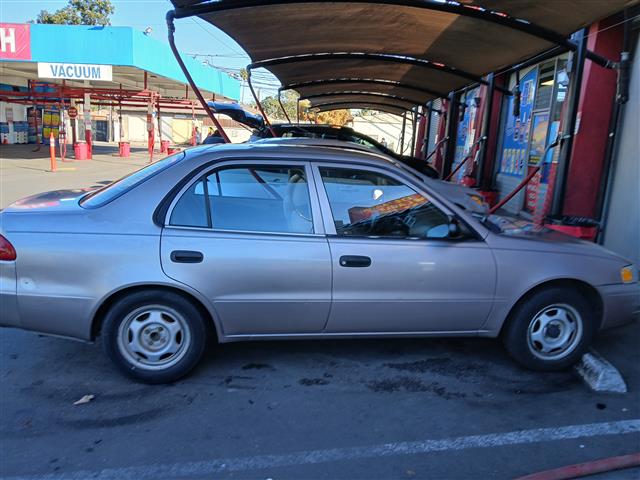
x,y
268,241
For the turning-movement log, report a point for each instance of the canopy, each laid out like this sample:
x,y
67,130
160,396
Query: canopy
x,y
402,52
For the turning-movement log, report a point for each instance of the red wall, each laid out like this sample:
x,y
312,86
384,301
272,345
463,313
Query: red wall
x,y
596,103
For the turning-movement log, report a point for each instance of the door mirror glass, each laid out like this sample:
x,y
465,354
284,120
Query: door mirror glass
x,y
439,231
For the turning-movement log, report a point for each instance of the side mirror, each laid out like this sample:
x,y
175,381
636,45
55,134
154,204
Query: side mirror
x,y
451,229
454,227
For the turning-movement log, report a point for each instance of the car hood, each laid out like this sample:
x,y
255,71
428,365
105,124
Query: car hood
x,y
49,201
518,234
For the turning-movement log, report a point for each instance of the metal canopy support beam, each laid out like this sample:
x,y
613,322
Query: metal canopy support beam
x,y
486,131
372,81
171,28
414,122
451,132
282,106
258,104
569,127
427,131
402,133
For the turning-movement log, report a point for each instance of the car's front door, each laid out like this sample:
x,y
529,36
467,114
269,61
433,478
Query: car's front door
x,y
249,237
395,267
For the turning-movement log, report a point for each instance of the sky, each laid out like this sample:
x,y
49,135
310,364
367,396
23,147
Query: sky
x,y
193,35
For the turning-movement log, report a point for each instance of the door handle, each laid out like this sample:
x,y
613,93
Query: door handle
x,y
354,261
186,256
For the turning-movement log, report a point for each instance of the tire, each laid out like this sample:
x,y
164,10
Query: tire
x,y
154,336
550,330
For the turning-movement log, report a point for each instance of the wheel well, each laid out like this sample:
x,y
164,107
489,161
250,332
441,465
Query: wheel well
x,y
96,324
586,290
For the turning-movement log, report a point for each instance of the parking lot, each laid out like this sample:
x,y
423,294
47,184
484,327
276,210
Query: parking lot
x,y
454,408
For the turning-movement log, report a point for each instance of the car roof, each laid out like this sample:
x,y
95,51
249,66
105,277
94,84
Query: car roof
x,y
316,148
318,126
320,142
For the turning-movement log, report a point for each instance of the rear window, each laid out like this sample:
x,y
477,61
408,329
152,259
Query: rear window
x,y
106,194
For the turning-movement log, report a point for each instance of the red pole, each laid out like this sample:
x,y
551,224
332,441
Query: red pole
x,y
52,152
150,129
515,190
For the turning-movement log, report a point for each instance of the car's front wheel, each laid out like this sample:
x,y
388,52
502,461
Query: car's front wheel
x,y
551,329
154,336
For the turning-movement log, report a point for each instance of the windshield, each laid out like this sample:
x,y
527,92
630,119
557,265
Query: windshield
x,y
106,194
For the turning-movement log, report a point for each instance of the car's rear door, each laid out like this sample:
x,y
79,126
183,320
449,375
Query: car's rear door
x,y
256,249
393,269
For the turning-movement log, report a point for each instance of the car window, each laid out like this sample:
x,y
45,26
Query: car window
x,y
248,198
365,203
106,194
191,210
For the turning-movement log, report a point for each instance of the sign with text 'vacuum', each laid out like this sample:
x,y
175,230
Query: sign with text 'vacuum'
x,y
75,71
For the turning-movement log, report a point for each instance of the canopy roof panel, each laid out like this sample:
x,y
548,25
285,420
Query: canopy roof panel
x,y
417,94
360,97
450,43
383,107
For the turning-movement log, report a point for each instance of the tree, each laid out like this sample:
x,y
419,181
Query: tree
x,y
273,110
80,12
334,117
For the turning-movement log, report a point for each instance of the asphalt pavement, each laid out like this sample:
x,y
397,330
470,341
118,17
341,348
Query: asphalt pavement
x,y
325,409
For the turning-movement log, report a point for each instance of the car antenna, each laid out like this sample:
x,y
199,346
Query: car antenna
x,y
171,28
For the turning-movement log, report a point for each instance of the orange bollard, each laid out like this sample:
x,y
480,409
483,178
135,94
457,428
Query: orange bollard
x,y
52,152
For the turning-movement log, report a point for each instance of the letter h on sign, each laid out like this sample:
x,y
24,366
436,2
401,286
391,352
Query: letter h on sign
x,y
15,41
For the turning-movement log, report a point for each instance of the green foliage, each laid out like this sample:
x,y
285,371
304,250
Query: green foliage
x,y
273,110
80,12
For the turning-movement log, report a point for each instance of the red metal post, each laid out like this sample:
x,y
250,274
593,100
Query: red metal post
x,y
520,186
52,152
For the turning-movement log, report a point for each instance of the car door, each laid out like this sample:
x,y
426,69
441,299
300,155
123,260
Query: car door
x,y
249,237
394,267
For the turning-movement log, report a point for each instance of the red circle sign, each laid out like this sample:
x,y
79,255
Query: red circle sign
x,y
72,112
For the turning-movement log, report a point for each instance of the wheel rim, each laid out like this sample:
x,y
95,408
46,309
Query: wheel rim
x,y
555,332
154,337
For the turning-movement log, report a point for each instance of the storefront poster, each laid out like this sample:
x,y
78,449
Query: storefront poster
x,y
466,132
538,137
516,131
546,165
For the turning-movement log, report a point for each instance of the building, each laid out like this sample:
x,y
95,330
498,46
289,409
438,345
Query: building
x,y
99,84
590,189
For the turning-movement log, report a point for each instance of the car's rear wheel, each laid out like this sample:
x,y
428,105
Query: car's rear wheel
x,y
154,336
551,329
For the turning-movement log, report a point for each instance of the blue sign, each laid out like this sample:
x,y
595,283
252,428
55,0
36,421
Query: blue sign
x,y
513,160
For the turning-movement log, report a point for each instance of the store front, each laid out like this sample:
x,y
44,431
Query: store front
x,y
524,138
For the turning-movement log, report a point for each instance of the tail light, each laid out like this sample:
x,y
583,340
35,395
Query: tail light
x,y
7,252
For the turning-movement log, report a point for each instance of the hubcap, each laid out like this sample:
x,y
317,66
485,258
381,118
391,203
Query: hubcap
x,y
555,332
154,337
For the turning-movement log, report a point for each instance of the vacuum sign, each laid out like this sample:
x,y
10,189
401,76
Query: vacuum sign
x,y
75,71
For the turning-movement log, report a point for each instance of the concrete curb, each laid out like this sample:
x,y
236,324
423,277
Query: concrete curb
x,y
599,374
